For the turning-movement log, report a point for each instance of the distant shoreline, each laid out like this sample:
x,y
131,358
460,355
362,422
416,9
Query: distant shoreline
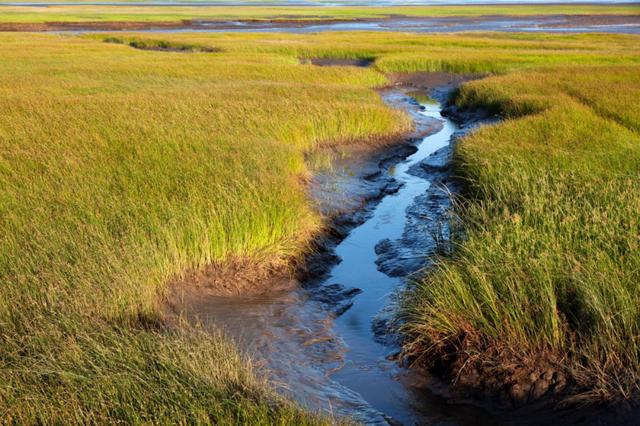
x,y
312,3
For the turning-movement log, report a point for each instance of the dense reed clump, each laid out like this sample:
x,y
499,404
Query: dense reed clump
x,y
548,270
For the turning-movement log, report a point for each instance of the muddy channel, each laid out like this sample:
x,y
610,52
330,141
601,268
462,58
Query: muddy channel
x,y
328,338
329,342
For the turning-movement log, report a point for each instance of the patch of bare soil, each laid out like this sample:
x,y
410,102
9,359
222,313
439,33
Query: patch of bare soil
x,y
234,277
443,81
237,278
332,62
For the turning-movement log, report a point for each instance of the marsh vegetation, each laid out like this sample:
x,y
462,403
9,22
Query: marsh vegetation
x,y
120,169
546,274
160,13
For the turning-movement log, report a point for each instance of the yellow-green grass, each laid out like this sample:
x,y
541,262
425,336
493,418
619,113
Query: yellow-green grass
x,y
462,53
549,267
121,168
84,13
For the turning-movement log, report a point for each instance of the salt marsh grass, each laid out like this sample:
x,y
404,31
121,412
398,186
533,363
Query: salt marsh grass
x,y
549,266
121,168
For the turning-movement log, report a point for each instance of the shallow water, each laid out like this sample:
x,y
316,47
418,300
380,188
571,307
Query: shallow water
x,y
335,360
560,24
365,371
551,24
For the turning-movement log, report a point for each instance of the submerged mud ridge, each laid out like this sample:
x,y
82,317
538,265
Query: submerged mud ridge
x,y
405,256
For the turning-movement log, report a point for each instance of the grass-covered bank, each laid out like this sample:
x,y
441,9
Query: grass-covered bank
x,y
121,168
543,291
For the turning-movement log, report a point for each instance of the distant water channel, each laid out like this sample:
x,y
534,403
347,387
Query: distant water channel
x,y
531,24
561,23
552,24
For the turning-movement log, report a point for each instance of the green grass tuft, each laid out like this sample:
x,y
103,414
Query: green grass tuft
x,y
550,261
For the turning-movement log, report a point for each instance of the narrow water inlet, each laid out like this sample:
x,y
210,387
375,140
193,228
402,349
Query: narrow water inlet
x,y
365,372
328,344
